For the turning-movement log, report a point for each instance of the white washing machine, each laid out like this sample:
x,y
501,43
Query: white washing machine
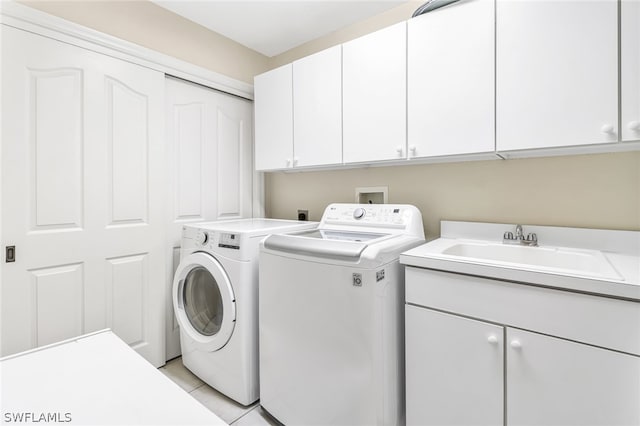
x,y
332,319
215,298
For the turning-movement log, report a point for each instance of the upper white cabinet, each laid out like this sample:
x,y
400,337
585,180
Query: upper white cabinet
x,y
451,80
630,48
273,107
557,73
317,108
374,96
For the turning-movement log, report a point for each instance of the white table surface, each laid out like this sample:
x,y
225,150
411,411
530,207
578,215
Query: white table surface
x,y
90,380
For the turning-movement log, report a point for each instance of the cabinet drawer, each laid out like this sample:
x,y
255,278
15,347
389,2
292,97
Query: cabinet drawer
x,y
601,321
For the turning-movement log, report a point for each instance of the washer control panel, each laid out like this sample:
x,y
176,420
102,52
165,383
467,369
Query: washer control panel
x,y
382,215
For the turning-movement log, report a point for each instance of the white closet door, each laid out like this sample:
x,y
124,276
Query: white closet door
x,y
83,196
209,136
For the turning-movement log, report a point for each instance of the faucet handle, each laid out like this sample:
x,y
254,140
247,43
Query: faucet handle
x,y
532,239
508,235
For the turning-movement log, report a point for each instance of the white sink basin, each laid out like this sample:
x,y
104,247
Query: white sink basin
x,y
566,261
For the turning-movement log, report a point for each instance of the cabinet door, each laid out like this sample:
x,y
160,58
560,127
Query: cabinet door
x,y
454,369
557,73
374,96
630,69
83,196
551,381
273,92
317,108
451,80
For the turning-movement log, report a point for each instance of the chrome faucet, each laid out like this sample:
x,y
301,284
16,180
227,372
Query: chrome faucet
x,y
519,235
530,240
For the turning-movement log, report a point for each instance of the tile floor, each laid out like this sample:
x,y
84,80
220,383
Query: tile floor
x,y
225,408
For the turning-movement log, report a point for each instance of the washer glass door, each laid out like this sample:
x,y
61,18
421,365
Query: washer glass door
x,y
203,301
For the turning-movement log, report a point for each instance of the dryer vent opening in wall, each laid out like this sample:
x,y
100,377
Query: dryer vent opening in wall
x,y
372,195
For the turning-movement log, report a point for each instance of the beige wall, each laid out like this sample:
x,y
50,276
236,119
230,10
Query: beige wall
x,y
592,191
144,23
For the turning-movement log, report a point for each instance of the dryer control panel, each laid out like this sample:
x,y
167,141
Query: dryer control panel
x,y
228,240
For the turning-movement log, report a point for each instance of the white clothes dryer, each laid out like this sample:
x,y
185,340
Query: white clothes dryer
x,y
215,299
332,317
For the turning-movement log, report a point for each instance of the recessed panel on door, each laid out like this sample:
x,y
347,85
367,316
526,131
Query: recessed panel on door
x,y
188,147
127,124
126,288
56,148
58,300
230,137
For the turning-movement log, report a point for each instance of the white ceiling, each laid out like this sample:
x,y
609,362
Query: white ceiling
x,y
272,27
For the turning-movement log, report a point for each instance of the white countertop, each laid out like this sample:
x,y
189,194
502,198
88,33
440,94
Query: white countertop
x,y
92,380
621,249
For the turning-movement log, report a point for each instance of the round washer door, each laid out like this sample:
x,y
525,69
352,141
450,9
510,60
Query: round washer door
x,y
203,301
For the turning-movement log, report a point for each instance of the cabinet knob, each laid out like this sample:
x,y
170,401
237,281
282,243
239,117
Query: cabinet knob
x,y
288,162
295,161
399,150
607,128
493,339
515,344
634,125
413,149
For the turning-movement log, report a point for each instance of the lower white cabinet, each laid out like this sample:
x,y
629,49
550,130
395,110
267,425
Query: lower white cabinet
x,y
468,371
552,381
454,369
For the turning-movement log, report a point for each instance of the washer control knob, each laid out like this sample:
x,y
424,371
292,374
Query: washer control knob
x,y
201,238
359,213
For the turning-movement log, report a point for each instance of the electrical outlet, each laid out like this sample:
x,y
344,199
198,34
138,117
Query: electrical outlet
x,y
303,214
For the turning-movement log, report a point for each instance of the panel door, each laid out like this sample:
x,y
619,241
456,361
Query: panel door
x,y
317,108
83,196
551,381
375,95
630,55
454,369
273,92
556,73
209,136
451,77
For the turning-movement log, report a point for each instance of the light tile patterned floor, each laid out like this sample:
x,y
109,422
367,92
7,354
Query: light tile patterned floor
x,y
225,408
